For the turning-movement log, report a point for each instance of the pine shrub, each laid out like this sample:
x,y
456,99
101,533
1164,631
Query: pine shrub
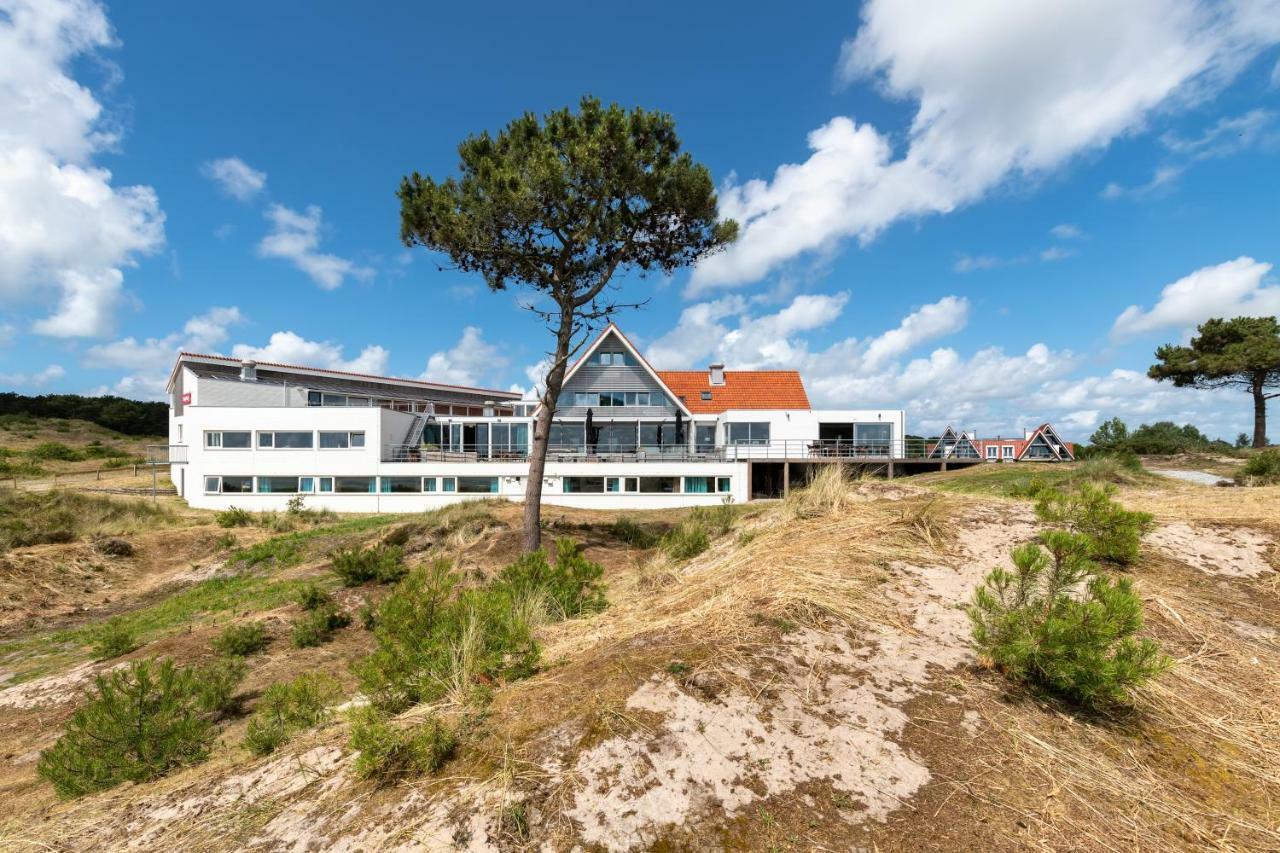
x,y
114,638
572,585
287,708
316,626
632,533
241,640
1056,622
1262,469
686,540
233,516
140,722
312,597
1114,533
382,563
388,752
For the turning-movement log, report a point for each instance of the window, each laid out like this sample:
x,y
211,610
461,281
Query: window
x,y
428,484
616,438
612,484
706,395
992,451
748,433
275,485
306,484
477,485
565,436
341,440
698,485
704,438
584,484
613,358
660,485
724,484
639,398
227,440
314,398
286,440
401,485
448,484
353,485
876,437
334,400
326,484
510,439
1007,450
612,398
229,484
359,401
654,436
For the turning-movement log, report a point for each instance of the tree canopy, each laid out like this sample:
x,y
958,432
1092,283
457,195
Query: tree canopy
x,y
559,205
1243,352
130,417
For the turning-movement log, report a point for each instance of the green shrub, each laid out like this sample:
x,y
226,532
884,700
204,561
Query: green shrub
x,y
633,534
388,752
287,708
367,613
59,515
312,597
241,640
1114,532
383,563
233,516
716,520
686,540
316,627
114,638
1262,469
139,723
1055,622
571,586
53,451
218,682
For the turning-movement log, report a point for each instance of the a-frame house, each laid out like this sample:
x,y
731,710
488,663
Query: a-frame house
x,y
954,445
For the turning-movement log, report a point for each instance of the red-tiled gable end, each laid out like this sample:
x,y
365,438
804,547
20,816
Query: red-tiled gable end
x,y
742,389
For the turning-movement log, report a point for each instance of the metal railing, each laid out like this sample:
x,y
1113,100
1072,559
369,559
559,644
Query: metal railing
x,y
166,454
780,449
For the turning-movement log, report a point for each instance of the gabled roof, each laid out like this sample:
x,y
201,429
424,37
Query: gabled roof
x,y
1057,446
952,443
322,371
742,389
635,353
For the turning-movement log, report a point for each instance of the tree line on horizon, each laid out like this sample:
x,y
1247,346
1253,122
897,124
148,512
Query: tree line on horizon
x,y
129,417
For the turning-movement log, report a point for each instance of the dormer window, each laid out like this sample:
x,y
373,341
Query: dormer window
x,y
706,395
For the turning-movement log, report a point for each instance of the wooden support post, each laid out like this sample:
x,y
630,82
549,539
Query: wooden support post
x,y
889,471
786,479
944,465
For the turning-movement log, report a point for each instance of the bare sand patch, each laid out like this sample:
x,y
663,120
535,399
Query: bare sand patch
x,y
1233,552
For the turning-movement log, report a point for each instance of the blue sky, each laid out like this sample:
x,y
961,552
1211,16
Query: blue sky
x,y
947,207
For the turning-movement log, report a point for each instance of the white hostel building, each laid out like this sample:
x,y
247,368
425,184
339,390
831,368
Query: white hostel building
x,y
255,435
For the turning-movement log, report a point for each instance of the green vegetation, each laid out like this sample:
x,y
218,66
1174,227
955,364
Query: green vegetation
x,y
287,708
1057,622
381,563
312,597
436,638
129,417
632,533
1029,480
1162,438
140,722
114,638
388,752
57,515
233,516
695,531
1113,532
290,548
1262,469
241,640
1243,353
315,627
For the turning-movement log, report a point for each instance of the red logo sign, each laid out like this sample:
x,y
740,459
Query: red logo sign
x,y
186,399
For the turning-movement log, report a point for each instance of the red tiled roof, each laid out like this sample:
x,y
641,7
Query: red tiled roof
x,y
742,389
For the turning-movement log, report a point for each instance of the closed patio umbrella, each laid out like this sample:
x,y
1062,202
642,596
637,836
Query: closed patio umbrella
x,y
679,428
589,432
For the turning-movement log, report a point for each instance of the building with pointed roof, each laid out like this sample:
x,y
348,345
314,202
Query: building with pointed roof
x,y
1042,444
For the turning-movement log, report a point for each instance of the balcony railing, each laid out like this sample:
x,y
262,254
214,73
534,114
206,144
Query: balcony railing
x,y
781,449
166,454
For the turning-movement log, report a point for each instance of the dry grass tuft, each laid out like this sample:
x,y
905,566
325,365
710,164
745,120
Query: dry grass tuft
x,y
827,494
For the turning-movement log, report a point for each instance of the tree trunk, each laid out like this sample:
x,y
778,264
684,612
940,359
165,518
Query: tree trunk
x,y
542,435
1259,410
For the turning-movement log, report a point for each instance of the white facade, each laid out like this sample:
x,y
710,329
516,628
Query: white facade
x,y
257,436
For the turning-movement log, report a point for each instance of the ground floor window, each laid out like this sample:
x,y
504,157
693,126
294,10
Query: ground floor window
x,y
622,484
660,485
326,484
478,485
428,484
448,484
585,484
274,485
401,485
698,485
306,484
229,484
992,451
723,485
1008,451
353,485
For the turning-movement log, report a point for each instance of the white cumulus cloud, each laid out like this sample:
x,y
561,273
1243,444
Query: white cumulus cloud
x,y
38,380
292,348
1235,288
295,237
470,361
149,360
235,177
67,234
1071,76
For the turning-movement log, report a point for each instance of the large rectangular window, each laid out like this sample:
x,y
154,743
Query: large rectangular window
x,y
227,439
401,485
704,438
658,436
510,440
875,438
229,484
477,485
616,438
748,433
992,451
341,440
566,437
353,485
584,484
276,485
660,485
286,440
699,485
448,484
